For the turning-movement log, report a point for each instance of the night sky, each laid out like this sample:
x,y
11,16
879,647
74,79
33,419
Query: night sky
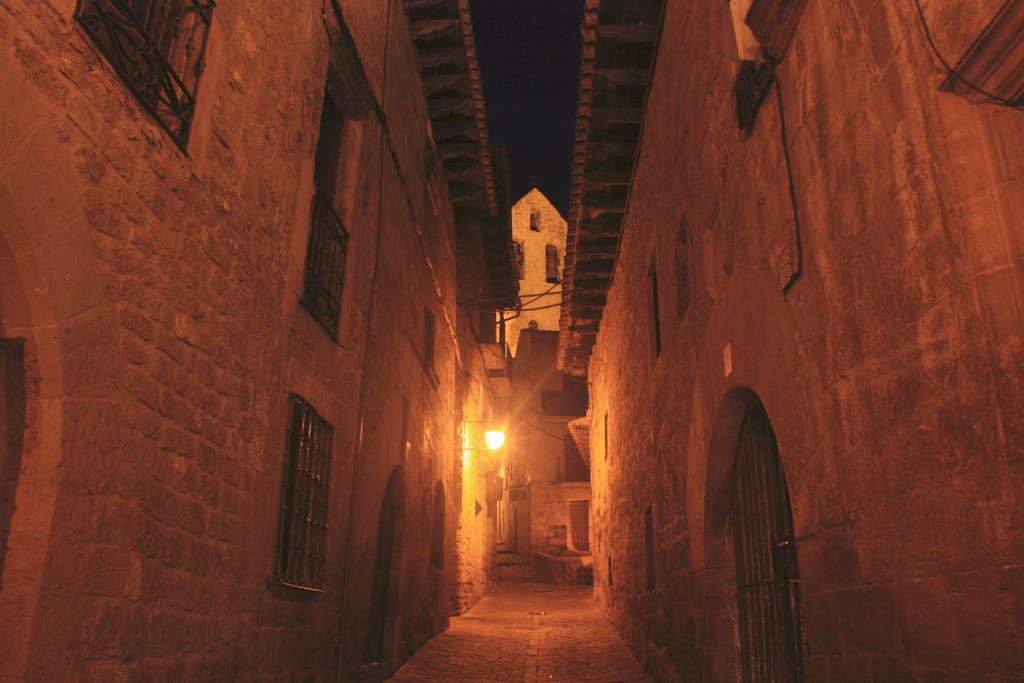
x,y
529,55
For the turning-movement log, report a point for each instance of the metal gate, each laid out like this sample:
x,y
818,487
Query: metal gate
x,y
766,562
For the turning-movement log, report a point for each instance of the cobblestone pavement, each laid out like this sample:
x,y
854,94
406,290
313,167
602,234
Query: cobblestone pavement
x,y
527,633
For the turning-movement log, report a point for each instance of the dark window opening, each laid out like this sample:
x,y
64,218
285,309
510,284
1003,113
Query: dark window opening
x,y
301,552
652,278
649,547
752,84
157,47
12,432
328,238
535,220
610,582
766,562
551,264
328,147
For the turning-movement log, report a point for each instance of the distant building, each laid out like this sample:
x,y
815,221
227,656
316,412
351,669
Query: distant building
x,y
548,501
548,510
538,233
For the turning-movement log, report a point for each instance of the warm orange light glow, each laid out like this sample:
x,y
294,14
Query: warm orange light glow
x,y
495,439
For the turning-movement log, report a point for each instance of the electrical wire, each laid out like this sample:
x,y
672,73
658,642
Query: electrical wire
x,y
576,299
550,290
953,72
486,299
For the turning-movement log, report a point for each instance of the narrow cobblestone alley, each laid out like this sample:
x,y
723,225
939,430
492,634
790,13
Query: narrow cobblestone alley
x,y
527,632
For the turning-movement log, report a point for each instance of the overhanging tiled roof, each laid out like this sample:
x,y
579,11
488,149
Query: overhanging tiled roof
x,y
442,32
619,42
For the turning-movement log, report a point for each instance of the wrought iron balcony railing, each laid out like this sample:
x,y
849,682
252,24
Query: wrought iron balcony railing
x,y
157,47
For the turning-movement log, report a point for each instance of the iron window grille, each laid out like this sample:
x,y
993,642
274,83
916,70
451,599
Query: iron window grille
x,y
157,47
325,264
301,553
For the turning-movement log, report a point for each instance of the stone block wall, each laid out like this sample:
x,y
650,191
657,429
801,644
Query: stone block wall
x,y
156,290
884,340
477,534
547,517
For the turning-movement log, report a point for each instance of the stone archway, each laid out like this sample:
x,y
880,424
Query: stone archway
x,y
752,352
767,562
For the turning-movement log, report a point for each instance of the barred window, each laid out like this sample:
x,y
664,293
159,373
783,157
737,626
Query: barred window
x,y
157,47
325,265
328,239
303,525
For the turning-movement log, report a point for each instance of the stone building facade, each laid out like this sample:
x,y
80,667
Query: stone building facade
x,y
549,481
233,361
805,423
538,231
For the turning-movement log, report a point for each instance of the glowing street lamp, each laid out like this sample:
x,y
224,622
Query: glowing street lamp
x,y
495,439
493,435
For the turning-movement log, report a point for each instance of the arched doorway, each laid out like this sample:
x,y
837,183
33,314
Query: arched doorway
x,y
765,554
386,569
